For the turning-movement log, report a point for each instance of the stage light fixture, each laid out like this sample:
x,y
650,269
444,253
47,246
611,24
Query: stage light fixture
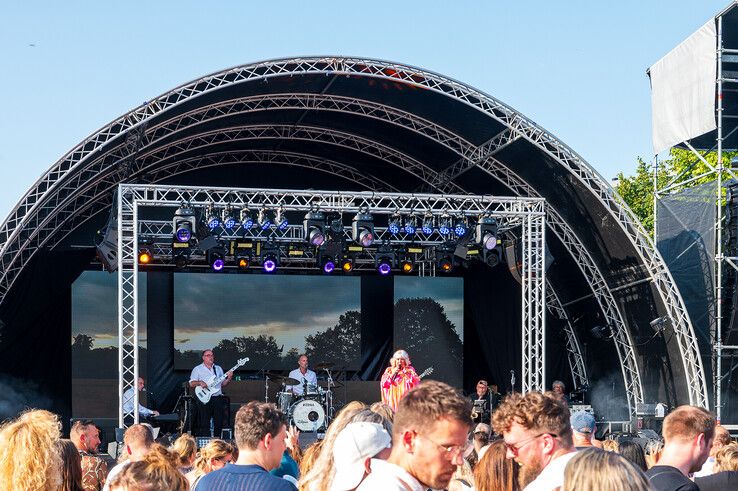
x,y
184,224
384,266
269,263
362,228
211,218
281,219
243,263
407,266
347,265
486,235
328,265
229,220
395,221
216,258
247,220
144,256
313,228
264,219
427,226
181,260
446,264
444,224
411,225
461,227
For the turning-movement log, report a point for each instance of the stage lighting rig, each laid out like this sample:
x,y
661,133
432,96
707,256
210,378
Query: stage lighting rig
x,y
181,259
212,220
264,219
411,225
427,226
461,226
394,223
184,224
445,258
269,253
247,219
347,265
362,228
229,220
486,235
216,258
407,266
281,219
313,228
243,252
444,224
327,264
385,259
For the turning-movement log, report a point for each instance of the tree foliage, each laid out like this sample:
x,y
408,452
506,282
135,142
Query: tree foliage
x,y
340,344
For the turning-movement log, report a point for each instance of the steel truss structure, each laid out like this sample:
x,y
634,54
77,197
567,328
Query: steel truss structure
x,y
725,77
82,183
528,213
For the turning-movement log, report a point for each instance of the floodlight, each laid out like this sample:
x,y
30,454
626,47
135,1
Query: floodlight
x,y
444,224
313,228
281,219
247,219
395,221
229,220
184,224
347,265
328,264
486,235
216,258
384,266
362,228
211,218
144,256
446,264
269,263
411,224
461,227
264,219
407,266
181,260
427,226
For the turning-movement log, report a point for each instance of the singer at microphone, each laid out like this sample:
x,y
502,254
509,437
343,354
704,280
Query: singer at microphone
x,y
397,379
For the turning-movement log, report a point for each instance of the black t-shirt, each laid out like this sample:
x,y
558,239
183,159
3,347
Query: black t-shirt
x,y
719,481
668,478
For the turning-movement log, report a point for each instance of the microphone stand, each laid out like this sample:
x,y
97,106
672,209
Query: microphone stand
x,y
512,380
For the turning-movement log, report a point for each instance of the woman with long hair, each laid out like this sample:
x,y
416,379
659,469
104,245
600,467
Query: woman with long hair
x,y
185,448
494,471
156,472
213,456
29,456
604,471
71,466
633,452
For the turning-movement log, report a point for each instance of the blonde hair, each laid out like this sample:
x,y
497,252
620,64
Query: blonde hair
x,y
321,471
185,447
156,472
605,471
726,459
384,410
215,449
29,456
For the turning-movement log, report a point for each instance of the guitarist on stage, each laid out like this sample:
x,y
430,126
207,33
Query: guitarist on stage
x,y
215,408
398,378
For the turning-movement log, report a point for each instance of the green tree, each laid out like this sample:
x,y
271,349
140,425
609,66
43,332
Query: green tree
x,y
340,344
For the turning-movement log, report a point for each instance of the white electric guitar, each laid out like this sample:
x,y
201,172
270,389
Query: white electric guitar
x,y
426,372
205,394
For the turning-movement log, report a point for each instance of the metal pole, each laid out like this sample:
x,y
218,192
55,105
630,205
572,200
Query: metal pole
x,y
719,225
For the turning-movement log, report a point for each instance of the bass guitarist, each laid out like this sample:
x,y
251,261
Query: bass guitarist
x,y
215,408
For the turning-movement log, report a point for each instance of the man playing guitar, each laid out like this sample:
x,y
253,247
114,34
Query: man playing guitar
x,y
216,406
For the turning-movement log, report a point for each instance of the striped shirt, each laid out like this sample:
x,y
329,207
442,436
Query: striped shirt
x,y
235,477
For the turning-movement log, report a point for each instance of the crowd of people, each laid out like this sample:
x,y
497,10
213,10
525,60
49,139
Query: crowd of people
x,y
533,442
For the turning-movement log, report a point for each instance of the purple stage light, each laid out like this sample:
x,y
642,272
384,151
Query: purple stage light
x,y
269,265
218,264
183,235
384,269
328,267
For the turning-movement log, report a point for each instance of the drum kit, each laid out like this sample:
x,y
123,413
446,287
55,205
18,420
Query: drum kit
x,y
313,409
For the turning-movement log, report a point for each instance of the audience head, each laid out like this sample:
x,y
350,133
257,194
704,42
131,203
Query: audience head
x,y
688,433
261,429
726,459
430,432
384,410
535,428
722,438
71,471
632,451
653,451
583,426
309,456
213,456
593,468
495,471
138,440
558,388
369,416
156,472
611,445
29,456
185,447
463,478
482,434
85,435
353,450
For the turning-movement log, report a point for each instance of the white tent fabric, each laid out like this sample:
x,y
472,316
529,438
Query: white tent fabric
x,y
683,90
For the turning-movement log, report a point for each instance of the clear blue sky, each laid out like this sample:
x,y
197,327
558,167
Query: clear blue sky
x,y
576,67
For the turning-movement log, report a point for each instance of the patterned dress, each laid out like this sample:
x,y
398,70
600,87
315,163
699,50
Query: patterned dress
x,y
393,390
94,471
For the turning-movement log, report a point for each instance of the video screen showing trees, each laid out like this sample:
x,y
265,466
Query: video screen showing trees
x,y
270,319
429,325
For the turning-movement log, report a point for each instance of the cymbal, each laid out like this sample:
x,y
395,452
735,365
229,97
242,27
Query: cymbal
x,y
334,385
290,381
327,364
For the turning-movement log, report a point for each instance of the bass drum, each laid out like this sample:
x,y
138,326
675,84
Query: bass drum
x,y
307,415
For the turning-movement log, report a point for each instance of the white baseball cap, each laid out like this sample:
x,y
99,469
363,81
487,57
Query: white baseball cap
x,y
354,444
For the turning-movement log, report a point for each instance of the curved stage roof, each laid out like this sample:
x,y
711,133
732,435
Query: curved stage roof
x,y
361,124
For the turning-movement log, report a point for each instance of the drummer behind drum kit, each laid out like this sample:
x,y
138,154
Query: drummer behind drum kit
x,y
311,411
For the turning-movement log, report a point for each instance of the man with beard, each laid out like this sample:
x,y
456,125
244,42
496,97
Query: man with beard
x,y
537,435
688,433
429,440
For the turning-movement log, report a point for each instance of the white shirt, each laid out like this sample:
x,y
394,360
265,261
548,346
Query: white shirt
x,y
552,476
203,373
707,468
128,404
114,472
310,376
389,477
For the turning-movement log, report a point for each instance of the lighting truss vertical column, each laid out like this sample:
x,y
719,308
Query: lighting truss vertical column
x,y
127,301
534,299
